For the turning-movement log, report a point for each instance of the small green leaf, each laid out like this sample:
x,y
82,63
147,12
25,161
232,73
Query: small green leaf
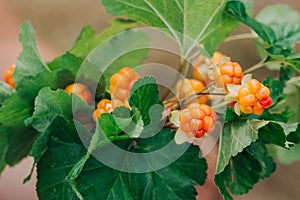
x,y
244,170
29,63
144,96
237,135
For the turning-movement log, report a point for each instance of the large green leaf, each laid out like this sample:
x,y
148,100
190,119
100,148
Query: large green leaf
x,y
244,170
175,181
236,135
53,114
29,63
202,21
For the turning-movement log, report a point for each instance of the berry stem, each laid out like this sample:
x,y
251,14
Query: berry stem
x,y
262,64
241,37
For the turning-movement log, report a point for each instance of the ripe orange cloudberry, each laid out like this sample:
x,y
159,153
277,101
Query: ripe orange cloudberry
x,y
80,90
188,87
103,106
8,76
197,119
254,97
230,73
121,83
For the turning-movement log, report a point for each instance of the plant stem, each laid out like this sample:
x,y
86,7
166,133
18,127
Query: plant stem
x,y
241,37
255,67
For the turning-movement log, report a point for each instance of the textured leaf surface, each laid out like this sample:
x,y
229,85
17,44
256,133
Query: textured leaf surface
x,y
174,181
211,23
236,135
244,170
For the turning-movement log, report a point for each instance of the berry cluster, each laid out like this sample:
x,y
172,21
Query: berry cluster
x,y
197,119
188,87
80,90
8,76
103,106
254,97
121,83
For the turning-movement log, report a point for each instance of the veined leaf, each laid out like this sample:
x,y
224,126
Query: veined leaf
x,y
286,26
201,21
29,63
244,170
292,90
172,182
236,135
144,96
51,109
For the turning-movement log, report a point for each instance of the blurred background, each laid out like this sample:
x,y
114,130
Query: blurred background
x,y
58,23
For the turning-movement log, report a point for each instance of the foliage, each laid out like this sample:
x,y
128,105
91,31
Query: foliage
x,y
41,120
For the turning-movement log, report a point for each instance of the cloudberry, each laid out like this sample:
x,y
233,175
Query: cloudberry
x,y
200,68
8,76
231,73
80,90
121,83
218,57
197,119
103,106
188,87
254,97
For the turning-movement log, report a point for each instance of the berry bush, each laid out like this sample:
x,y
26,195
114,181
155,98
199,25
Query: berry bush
x,y
99,127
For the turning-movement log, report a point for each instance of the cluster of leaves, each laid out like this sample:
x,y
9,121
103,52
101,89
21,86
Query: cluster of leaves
x,y
41,120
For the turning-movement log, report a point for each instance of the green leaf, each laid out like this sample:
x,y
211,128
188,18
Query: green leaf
x,y
53,114
175,181
244,170
236,135
237,10
20,144
5,92
273,133
14,111
286,26
29,63
53,168
211,24
87,40
144,96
